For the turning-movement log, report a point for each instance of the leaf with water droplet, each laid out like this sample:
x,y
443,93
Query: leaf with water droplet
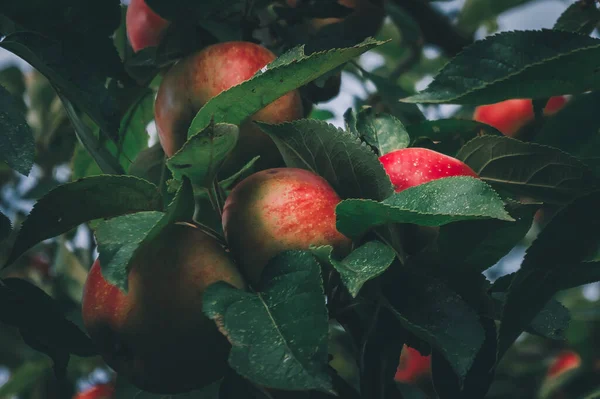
x,y
435,203
279,334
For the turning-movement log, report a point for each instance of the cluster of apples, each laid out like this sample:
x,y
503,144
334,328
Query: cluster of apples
x,y
155,334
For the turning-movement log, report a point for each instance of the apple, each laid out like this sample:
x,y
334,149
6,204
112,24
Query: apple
x,y
276,210
156,335
101,391
413,366
194,80
565,361
511,115
409,167
145,28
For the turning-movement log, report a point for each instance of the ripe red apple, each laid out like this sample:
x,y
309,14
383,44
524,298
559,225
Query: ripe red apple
x,y
565,361
511,115
409,167
193,81
145,28
413,366
102,391
156,335
280,209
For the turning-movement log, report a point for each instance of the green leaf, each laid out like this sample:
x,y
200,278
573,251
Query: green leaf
x,y
71,204
133,136
435,203
581,17
430,310
365,263
289,350
453,133
558,130
201,156
124,389
17,147
290,71
67,73
474,246
503,67
571,235
37,315
532,170
122,240
351,168
382,131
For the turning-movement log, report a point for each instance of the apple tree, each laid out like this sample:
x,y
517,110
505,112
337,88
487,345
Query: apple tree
x,y
189,212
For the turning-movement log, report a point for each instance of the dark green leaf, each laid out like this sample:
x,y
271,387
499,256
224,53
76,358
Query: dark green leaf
x,y
17,148
361,265
382,131
121,240
571,235
5,227
349,166
558,130
503,66
125,390
71,204
289,350
454,131
283,75
434,313
201,156
350,122
581,17
133,136
539,172
435,203
245,171
36,314
69,74
474,246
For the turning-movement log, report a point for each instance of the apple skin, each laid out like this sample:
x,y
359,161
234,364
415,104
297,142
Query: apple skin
x,y
565,361
101,391
409,167
413,366
276,210
145,28
156,335
511,115
194,80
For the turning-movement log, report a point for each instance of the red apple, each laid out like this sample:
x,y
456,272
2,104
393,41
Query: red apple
x,y
565,361
276,210
511,115
193,81
412,366
145,28
102,391
409,167
156,335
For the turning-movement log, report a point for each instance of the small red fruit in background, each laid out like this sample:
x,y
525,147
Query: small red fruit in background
x,y
145,28
565,361
412,366
409,167
276,210
511,115
102,391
